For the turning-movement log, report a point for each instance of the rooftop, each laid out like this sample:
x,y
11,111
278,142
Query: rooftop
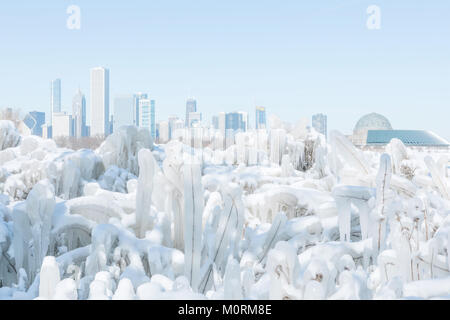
x,y
418,138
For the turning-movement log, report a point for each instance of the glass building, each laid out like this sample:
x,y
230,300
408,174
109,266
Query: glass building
x,y
100,102
235,121
191,106
79,115
260,117
55,102
138,97
147,115
412,138
35,120
124,110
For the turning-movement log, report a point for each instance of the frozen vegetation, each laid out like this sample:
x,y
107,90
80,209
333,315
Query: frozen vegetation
x,y
281,214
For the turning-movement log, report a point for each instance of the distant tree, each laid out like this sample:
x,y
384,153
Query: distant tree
x,y
11,114
74,143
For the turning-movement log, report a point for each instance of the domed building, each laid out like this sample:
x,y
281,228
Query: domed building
x,y
375,130
372,121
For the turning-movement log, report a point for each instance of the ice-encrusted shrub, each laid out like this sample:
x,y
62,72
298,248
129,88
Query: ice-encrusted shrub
x,y
9,136
122,147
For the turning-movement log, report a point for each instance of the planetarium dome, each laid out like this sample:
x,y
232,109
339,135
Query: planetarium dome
x,y
373,121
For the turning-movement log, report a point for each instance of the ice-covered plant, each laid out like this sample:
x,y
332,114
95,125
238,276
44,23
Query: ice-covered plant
x,y
9,136
144,219
384,195
193,211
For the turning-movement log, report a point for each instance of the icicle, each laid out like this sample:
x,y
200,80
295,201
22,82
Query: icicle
x,y
438,178
40,205
231,219
346,149
48,278
232,281
273,235
144,192
193,211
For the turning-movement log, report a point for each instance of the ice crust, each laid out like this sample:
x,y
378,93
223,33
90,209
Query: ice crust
x,y
280,214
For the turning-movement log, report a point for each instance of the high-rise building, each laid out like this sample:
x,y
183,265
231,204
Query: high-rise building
x,y
79,115
124,111
222,123
319,123
236,121
34,121
244,120
147,115
164,132
45,131
215,122
138,97
195,118
191,106
260,116
55,97
172,125
100,124
62,125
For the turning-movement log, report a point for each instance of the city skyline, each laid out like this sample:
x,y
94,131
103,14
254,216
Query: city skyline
x,y
310,58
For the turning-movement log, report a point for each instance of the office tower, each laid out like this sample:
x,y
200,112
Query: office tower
x,y
191,106
236,121
124,111
45,131
215,122
79,115
138,97
62,125
164,132
244,125
222,123
100,125
111,125
319,123
260,116
195,118
34,121
172,123
147,115
55,98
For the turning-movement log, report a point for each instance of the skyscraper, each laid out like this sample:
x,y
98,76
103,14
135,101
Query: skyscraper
x,y
62,125
215,122
260,117
55,97
164,132
79,115
137,97
35,120
100,102
147,115
235,121
124,111
172,125
319,123
191,106
244,120
195,118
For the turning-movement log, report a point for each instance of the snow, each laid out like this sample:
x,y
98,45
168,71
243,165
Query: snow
x,y
279,214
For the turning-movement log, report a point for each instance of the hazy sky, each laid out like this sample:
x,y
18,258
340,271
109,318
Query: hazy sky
x,y
295,57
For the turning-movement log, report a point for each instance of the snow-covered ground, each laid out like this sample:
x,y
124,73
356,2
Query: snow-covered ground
x,y
277,215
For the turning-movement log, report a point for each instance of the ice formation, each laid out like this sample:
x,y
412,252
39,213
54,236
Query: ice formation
x,y
277,214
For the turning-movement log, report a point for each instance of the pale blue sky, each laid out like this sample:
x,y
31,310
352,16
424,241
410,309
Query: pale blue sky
x,y
295,57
